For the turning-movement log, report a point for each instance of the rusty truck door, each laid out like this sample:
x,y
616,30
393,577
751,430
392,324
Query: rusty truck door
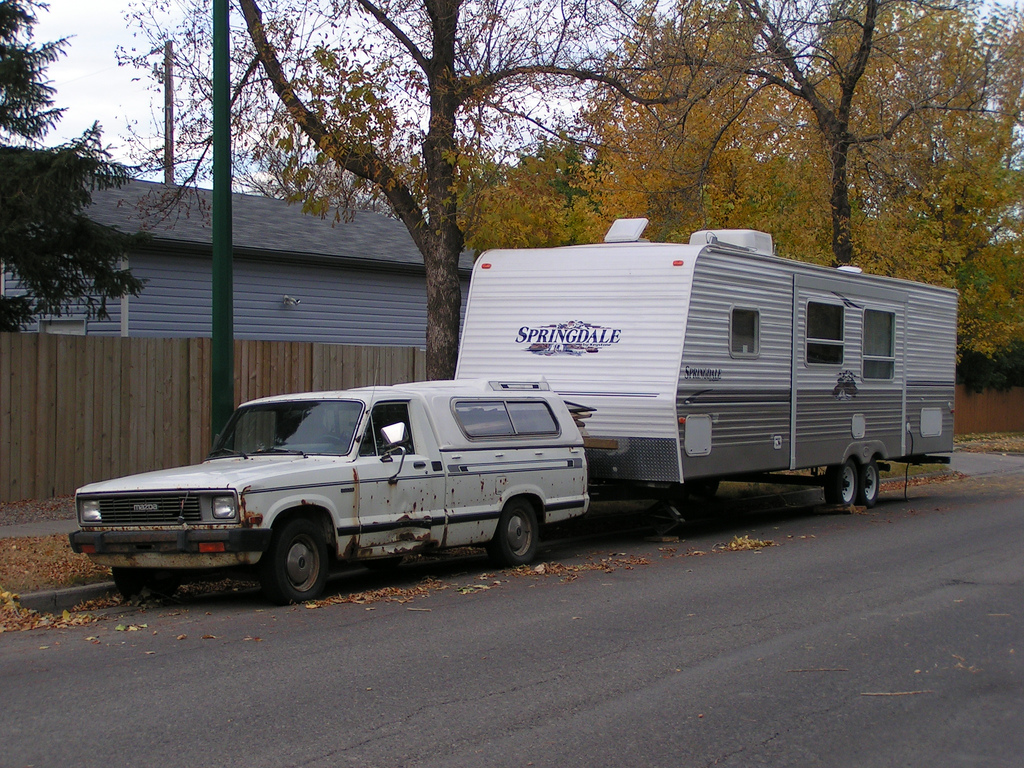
x,y
400,498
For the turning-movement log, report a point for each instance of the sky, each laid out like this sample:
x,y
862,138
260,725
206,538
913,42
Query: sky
x,y
90,84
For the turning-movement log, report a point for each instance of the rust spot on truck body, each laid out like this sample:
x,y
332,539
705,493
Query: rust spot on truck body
x,y
247,518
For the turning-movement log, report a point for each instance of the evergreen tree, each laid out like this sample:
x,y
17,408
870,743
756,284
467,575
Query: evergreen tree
x,y
58,256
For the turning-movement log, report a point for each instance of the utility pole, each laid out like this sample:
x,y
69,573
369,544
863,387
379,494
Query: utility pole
x,y
169,113
222,390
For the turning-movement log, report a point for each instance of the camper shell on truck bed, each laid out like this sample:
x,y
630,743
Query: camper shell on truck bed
x,y
716,359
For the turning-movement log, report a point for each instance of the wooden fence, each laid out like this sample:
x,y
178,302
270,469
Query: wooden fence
x,y
74,410
988,411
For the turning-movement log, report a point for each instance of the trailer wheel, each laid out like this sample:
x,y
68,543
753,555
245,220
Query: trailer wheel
x,y
515,540
868,485
841,483
295,567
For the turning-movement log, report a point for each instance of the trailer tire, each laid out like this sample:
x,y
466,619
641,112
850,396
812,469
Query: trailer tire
x,y
842,483
295,567
868,484
516,537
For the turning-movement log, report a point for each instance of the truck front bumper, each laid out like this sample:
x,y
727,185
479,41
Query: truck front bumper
x,y
185,548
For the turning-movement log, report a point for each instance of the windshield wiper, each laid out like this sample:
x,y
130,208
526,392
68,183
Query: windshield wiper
x,y
225,452
293,451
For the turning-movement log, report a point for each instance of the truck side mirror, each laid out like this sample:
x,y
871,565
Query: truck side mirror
x,y
394,436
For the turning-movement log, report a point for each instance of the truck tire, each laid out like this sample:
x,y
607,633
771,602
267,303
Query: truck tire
x,y
295,567
130,582
868,484
515,540
842,483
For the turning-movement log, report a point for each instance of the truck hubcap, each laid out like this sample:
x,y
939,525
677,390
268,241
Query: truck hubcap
x,y
518,534
301,563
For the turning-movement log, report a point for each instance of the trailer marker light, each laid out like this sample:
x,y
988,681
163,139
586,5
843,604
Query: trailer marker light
x,y
682,419
677,263
211,546
485,266
89,549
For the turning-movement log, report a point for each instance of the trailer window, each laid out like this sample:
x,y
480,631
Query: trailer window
x,y
879,350
745,333
498,418
824,333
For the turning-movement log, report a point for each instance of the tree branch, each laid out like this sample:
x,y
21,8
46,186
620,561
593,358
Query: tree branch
x,y
366,164
381,18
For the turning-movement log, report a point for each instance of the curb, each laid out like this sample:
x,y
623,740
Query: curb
x,y
57,600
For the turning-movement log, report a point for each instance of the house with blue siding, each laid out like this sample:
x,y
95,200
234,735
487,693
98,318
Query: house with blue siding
x,y
296,277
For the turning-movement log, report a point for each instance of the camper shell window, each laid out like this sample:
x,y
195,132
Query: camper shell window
x,y
824,333
500,418
745,332
879,350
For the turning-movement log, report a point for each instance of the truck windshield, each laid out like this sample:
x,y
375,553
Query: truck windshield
x,y
307,426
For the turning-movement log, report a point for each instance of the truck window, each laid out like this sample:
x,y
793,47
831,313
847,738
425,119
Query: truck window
x,y
824,333
744,333
532,418
879,350
498,418
323,427
381,416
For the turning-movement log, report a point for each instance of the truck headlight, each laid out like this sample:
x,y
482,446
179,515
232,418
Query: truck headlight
x,y
89,511
224,507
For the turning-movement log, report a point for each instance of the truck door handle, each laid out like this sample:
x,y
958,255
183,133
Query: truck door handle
x,y
419,464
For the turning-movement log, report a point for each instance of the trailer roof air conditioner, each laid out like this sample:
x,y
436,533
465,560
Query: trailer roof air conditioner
x,y
751,239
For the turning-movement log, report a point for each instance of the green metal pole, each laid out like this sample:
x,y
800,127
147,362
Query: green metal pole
x,y
222,389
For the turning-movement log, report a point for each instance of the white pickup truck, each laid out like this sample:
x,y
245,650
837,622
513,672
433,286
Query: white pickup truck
x,y
298,483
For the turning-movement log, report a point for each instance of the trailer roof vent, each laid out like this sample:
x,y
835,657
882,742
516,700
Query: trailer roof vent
x,y
850,268
520,386
750,239
626,231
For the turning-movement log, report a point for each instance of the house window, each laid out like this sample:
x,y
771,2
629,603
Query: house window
x,y
824,333
745,333
63,327
879,350
496,418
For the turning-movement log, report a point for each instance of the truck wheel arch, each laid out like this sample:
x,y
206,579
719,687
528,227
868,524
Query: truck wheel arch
x,y
517,533
314,513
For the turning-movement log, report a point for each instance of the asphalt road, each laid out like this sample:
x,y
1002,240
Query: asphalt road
x,y
885,639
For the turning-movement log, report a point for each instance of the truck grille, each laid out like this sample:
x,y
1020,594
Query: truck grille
x,y
150,510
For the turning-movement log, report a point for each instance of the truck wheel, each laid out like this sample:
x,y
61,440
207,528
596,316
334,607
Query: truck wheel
x,y
841,483
515,540
868,485
295,567
130,582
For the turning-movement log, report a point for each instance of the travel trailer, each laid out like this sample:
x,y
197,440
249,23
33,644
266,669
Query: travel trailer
x,y
717,359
